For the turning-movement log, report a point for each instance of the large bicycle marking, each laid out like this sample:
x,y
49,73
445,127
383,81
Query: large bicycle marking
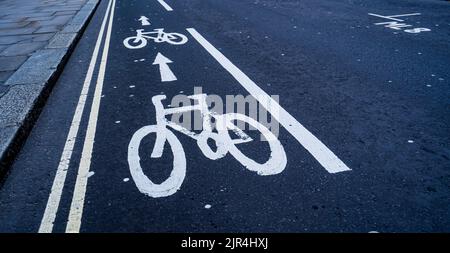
x,y
275,164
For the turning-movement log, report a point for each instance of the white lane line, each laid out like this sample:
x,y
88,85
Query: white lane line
x,y
165,5
404,15
58,183
395,17
386,17
76,208
314,146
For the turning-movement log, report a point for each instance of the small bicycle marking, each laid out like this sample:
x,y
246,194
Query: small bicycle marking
x,y
140,40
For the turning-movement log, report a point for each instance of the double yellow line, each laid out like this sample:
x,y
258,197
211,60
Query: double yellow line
x,y
76,208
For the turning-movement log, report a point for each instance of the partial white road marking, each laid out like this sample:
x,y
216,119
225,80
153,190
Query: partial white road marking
x,y
394,17
166,74
144,21
399,26
58,183
417,30
314,146
76,208
404,15
165,5
376,15
393,25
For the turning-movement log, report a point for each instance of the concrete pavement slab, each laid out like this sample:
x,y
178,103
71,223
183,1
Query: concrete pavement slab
x,y
22,48
11,63
34,47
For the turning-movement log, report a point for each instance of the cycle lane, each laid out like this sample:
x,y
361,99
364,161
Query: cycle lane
x,y
304,197
126,106
317,200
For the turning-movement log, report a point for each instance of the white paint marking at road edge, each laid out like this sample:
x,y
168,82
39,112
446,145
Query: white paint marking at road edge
x,y
144,21
58,183
394,17
380,16
165,5
405,15
314,146
79,193
164,69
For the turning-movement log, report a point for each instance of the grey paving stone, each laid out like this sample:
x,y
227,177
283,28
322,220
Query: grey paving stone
x,y
4,75
8,40
40,67
39,18
26,30
49,29
81,17
62,40
56,21
48,57
31,14
16,103
46,13
11,63
12,19
23,26
43,37
24,76
65,13
58,8
72,28
14,25
22,48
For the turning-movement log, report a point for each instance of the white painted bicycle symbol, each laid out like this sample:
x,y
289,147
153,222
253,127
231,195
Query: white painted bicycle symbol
x,y
140,40
224,142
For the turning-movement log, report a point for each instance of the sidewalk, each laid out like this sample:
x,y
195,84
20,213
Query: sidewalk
x,y
26,26
36,37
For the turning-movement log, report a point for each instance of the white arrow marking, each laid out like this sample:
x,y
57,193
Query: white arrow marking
x,y
144,20
166,74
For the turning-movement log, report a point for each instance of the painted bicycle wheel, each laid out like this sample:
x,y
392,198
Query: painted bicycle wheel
x,y
145,185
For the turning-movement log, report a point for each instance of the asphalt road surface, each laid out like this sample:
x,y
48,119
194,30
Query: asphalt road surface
x,y
363,111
